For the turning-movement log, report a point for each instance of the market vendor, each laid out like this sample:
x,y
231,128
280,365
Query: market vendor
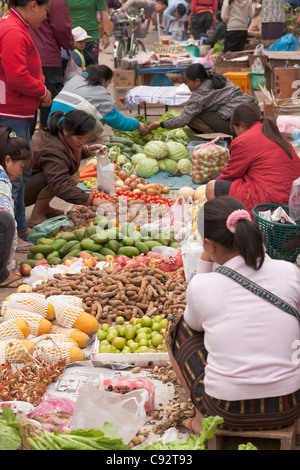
x,y
262,164
232,349
89,93
210,106
15,154
57,153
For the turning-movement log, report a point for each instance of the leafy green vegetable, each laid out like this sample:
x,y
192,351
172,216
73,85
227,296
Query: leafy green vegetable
x,y
103,439
193,443
10,430
177,135
169,114
185,166
247,446
137,157
156,150
176,151
168,165
147,167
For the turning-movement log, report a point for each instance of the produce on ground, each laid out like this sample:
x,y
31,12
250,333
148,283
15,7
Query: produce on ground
x,y
107,294
141,335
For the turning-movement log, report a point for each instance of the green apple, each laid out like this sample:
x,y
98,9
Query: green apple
x,y
156,326
101,334
157,340
130,331
111,349
143,349
104,326
120,320
104,341
133,346
119,342
140,336
121,330
146,321
143,342
103,348
144,329
111,335
164,323
126,349
157,318
154,333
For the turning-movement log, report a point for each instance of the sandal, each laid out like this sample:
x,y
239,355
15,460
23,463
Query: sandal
x,y
23,248
8,284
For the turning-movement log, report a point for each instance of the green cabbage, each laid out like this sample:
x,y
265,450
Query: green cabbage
x,y
185,166
156,150
177,151
168,165
137,157
147,167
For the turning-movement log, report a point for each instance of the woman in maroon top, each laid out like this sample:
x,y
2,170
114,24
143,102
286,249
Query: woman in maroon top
x,y
262,164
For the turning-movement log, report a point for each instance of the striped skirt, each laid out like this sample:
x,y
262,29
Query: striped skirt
x,y
188,350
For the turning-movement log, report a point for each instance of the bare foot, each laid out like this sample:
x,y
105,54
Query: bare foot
x,y
194,426
12,281
25,233
23,245
52,212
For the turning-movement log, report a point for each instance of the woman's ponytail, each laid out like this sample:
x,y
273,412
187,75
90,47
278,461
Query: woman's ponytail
x,y
248,242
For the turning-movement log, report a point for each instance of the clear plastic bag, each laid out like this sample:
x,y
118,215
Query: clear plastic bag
x,y
95,406
294,201
105,174
49,228
71,70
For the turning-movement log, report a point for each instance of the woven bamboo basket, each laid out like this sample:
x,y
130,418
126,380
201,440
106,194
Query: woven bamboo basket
x,y
168,48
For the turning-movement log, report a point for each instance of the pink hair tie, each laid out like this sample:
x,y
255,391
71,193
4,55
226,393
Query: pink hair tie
x,y
234,217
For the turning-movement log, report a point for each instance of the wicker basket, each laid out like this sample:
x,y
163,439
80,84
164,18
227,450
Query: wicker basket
x,y
168,49
282,241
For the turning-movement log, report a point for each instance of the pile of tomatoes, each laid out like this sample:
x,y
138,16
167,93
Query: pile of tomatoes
x,y
137,196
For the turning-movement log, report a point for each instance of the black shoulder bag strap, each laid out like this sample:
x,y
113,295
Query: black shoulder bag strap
x,y
260,291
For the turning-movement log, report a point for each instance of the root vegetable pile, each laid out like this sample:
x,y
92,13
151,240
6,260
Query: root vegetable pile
x,y
106,294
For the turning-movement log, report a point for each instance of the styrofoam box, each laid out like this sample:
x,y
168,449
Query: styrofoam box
x,y
133,359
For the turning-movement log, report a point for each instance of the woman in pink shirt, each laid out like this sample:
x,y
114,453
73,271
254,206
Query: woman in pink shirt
x,y
232,349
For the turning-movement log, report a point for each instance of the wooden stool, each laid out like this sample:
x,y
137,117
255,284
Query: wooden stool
x,y
285,436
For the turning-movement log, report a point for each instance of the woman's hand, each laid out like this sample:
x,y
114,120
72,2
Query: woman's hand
x,y
153,126
47,100
143,128
90,149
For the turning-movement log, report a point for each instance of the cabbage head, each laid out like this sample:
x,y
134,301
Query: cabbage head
x,y
177,151
147,167
168,165
185,166
156,150
137,157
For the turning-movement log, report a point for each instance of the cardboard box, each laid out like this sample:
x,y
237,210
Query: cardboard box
x,y
124,78
119,94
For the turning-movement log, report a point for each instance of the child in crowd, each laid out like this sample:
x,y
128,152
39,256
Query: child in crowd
x,y
15,154
176,27
80,55
218,31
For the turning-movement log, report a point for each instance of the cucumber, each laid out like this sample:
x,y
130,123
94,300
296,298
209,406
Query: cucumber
x,y
114,144
44,249
137,148
121,140
129,251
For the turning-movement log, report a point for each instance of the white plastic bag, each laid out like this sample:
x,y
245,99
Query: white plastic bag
x,y
191,251
95,406
294,201
105,174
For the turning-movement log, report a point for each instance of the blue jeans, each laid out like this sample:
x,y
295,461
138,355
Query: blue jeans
x,y
7,232
21,128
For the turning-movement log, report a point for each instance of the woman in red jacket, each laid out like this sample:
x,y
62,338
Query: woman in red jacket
x,y
22,87
262,165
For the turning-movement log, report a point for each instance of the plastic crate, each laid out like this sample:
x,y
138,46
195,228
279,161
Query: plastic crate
x,y
282,241
256,79
240,79
194,144
194,49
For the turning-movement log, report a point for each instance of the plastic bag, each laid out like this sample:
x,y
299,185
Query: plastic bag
x,y
191,251
105,174
208,161
294,201
71,70
50,408
259,49
49,228
286,43
95,406
128,383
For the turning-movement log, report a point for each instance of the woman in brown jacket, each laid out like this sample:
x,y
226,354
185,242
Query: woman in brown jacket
x,y
57,153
